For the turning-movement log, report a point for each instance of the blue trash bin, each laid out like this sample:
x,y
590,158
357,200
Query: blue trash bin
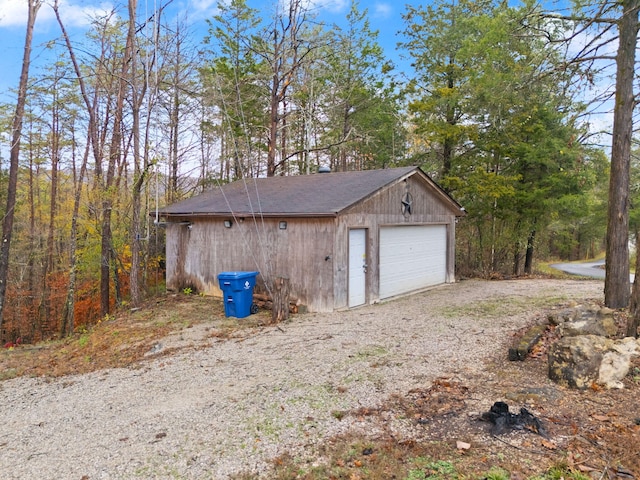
x,y
237,292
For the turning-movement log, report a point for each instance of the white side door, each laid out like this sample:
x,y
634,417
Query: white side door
x,y
357,266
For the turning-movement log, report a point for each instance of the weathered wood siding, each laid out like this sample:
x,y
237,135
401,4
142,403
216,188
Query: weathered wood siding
x,y
302,252
385,209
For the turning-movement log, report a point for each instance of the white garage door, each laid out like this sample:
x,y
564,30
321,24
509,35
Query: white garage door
x,y
412,257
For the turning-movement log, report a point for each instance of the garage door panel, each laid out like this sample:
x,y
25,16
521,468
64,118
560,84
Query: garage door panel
x,y
412,257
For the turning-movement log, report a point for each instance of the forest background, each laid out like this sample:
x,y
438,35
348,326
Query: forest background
x,y
499,107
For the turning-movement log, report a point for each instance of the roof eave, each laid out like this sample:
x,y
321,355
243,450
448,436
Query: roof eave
x,y
249,214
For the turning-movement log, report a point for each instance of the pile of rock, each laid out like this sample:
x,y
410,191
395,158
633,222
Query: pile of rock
x,y
588,352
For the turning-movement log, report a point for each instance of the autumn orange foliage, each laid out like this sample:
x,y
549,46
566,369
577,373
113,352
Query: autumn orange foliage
x,y
30,317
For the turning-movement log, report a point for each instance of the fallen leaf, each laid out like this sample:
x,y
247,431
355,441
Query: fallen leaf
x,y
585,468
601,418
549,444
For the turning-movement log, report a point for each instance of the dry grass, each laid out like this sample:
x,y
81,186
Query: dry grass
x,y
124,339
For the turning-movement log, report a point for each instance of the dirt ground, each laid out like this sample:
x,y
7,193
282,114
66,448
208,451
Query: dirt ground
x,y
595,433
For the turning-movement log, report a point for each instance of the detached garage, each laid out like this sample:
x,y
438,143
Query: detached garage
x,y
342,239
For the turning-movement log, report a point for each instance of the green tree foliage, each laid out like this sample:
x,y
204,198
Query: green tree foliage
x,y
440,42
288,96
361,105
237,107
504,129
593,31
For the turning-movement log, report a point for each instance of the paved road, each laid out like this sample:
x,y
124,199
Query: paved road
x,y
587,269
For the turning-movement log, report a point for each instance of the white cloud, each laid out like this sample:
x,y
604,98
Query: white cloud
x,y
204,5
197,10
14,13
606,43
181,11
79,16
382,10
334,6
73,13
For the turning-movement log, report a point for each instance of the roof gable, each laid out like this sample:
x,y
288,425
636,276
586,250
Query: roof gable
x,y
322,194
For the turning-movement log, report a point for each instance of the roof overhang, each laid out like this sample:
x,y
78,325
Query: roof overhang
x,y
223,215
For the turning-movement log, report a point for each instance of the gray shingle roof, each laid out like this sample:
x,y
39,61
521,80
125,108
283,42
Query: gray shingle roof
x,y
322,194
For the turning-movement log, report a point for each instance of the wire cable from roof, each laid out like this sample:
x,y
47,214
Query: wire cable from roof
x,y
259,228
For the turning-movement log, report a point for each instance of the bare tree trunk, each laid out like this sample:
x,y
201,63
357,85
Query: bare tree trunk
x,y
448,144
68,317
634,307
174,130
345,131
115,151
274,120
45,306
516,258
67,322
136,205
528,259
35,321
139,178
280,310
91,110
616,283
285,60
7,222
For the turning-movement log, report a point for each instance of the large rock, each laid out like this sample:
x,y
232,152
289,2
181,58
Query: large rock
x,y
568,314
585,321
584,360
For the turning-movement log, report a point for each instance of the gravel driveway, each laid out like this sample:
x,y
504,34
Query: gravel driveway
x,y
231,405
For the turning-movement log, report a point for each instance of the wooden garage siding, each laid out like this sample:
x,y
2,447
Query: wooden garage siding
x,y
201,252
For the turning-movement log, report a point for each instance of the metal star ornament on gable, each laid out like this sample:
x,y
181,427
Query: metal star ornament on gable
x,y
407,201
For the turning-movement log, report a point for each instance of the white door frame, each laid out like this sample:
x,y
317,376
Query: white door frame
x,y
357,269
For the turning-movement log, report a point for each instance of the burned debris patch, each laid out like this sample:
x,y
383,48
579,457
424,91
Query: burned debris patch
x,y
504,421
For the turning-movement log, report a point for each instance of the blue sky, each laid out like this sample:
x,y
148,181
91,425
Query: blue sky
x,y
384,16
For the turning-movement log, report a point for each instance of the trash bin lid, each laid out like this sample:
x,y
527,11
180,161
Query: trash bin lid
x,y
236,275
